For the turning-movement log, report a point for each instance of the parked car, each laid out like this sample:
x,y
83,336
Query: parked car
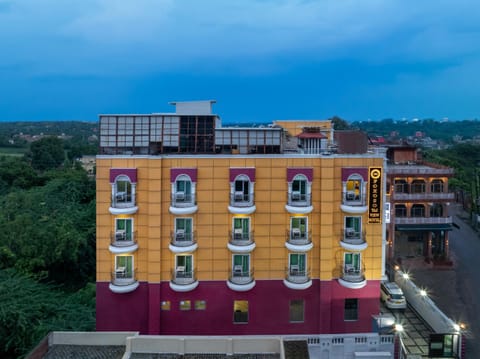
x,y
392,295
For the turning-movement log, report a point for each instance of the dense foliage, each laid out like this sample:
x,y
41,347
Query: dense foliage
x,y
47,246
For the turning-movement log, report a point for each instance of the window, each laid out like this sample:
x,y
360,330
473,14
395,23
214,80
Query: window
x,y
183,189
436,186
183,266
123,229
241,190
241,265
123,189
185,305
418,186
297,264
183,229
418,210
351,309
200,305
400,210
240,311
353,226
401,186
352,263
165,305
298,228
436,210
241,228
353,188
299,188
124,267
296,311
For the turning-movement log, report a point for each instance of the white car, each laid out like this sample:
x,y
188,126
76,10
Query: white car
x,y
392,295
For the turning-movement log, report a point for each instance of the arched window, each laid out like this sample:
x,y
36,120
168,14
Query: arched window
x,y
400,210
123,189
183,189
353,188
241,189
401,186
418,210
436,186
436,210
418,186
299,188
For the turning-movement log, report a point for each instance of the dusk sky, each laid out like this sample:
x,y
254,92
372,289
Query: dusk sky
x,y
261,60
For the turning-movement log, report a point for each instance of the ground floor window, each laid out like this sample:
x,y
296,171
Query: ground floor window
x,y
351,309
296,311
240,311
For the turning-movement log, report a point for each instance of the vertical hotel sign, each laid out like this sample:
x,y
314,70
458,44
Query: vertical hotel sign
x,y
375,195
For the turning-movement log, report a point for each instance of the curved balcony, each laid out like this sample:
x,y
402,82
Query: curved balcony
x,y
353,278
240,280
298,241
123,203
183,280
353,202
241,203
299,203
123,281
182,242
241,242
122,242
354,241
183,203
297,279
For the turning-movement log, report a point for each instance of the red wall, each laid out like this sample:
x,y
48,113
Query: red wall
x,y
268,309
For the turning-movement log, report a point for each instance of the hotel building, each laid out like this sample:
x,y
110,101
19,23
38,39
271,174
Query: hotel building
x,y
211,230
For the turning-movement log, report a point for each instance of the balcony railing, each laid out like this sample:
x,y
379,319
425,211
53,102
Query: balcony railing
x,y
181,238
353,274
123,277
181,276
298,199
240,276
241,238
423,220
121,238
296,275
352,236
351,198
181,199
123,200
240,199
428,196
297,237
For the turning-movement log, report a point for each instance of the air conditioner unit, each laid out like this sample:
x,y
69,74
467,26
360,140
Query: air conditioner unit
x,y
238,233
120,235
180,234
296,195
180,196
350,196
349,232
296,233
238,196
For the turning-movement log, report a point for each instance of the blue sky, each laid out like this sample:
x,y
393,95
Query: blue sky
x,y
261,60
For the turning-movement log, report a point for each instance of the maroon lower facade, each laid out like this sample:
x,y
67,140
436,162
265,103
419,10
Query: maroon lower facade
x,y
209,309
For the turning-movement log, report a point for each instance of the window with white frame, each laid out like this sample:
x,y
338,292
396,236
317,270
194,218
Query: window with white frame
x,y
183,229
123,266
123,229
123,189
183,189
353,227
241,265
241,189
298,227
241,228
297,264
353,188
352,263
299,188
184,266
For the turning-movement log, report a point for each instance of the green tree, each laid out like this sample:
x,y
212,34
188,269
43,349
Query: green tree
x,y
47,153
